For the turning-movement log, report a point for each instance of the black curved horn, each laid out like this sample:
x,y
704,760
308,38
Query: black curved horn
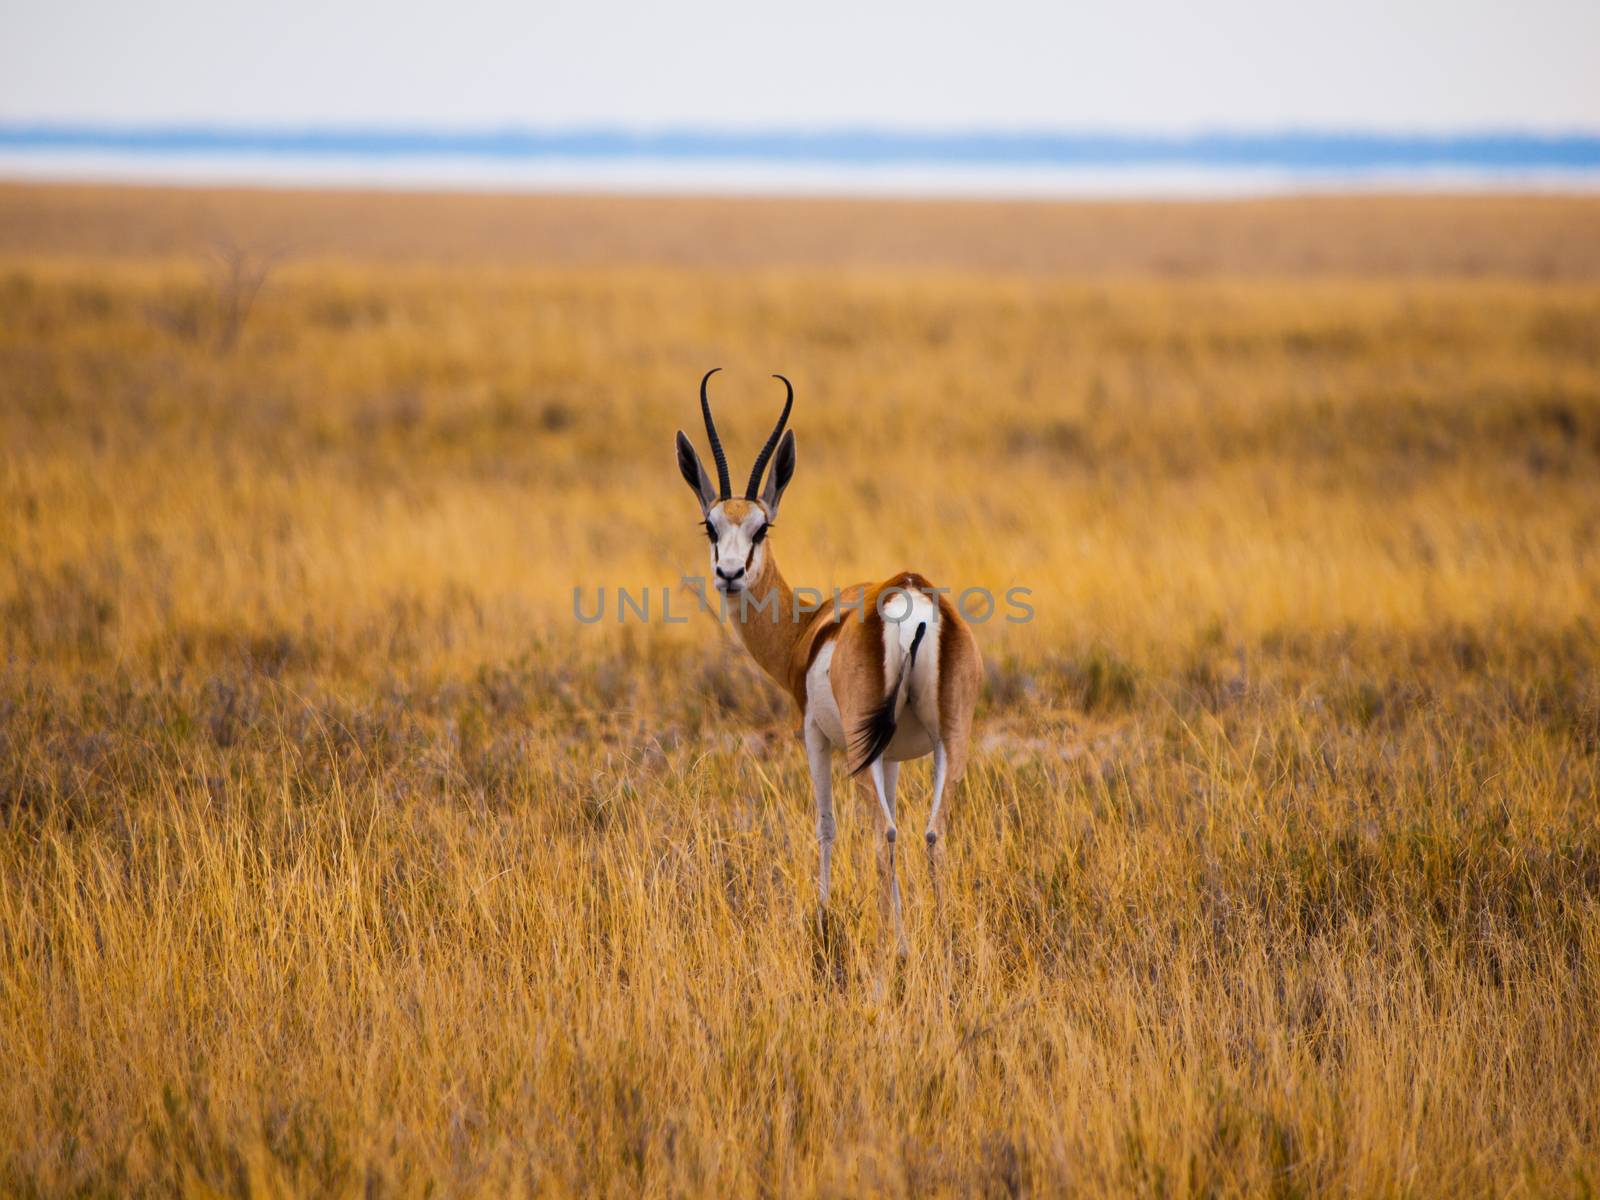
x,y
723,486
772,443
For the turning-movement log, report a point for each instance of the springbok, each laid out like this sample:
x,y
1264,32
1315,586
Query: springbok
x,y
885,672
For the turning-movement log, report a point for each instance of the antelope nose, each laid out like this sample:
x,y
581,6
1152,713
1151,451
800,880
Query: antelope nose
x,y
727,578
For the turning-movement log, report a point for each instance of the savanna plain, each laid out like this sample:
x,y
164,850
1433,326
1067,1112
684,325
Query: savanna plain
x,y
337,857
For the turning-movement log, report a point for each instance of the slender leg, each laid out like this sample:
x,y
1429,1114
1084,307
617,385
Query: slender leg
x,y
884,776
941,764
819,756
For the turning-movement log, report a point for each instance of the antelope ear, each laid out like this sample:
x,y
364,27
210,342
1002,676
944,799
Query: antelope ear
x,y
779,476
694,474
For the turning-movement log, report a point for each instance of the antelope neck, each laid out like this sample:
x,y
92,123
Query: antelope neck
x,y
770,642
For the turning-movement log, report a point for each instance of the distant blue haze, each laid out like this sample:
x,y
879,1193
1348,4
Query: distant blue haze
x,y
1289,150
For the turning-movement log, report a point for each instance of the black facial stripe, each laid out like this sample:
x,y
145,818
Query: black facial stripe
x,y
749,558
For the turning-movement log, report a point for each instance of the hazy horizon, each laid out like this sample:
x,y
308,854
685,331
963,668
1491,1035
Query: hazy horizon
x,y
894,99
845,162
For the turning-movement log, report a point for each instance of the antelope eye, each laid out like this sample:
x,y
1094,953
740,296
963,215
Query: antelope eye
x,y
761,535
711,532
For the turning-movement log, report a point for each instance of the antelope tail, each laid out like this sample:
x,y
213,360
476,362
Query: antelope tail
x,y
871,737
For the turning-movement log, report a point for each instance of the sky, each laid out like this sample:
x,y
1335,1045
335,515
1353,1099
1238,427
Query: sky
x,y
1137,66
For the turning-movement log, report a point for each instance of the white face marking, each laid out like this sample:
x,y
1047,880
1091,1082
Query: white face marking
x,y
736,555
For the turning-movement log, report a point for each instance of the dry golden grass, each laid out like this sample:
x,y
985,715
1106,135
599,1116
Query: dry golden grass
x,y
336,857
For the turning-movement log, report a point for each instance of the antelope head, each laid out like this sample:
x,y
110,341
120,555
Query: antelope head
x,y
737,528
